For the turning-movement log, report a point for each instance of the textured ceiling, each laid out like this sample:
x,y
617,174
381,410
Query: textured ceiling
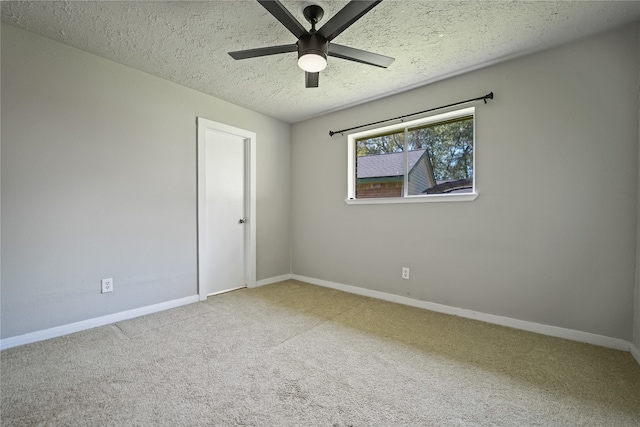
x,y
187,42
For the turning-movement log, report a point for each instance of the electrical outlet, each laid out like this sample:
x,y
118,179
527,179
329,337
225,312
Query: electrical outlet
x,y
107,285
405,273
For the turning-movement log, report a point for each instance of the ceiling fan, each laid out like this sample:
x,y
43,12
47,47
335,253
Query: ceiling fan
x,y
313,46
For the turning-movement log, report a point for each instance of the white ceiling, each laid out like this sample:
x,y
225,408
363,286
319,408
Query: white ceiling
x,y
187,42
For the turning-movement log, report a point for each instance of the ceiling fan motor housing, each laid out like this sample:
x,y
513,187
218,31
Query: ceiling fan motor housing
x,y
313,44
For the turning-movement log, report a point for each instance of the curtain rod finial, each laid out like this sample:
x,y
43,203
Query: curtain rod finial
x,y
488,96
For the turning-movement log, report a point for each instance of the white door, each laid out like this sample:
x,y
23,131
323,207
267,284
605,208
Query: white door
x,y
224,212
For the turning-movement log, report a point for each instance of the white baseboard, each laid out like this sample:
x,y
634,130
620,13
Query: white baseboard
x,y
93,323
554,331
272,280
570,334
635,352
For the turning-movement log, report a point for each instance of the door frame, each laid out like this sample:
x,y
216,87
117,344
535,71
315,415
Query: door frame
x,y
203,126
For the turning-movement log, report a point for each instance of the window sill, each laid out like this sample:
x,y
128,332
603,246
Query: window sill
x,y
415,199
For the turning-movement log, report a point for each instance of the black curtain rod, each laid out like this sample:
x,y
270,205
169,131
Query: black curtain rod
x,y
484,98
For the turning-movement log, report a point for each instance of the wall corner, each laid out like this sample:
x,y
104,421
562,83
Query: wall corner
x,y
636,319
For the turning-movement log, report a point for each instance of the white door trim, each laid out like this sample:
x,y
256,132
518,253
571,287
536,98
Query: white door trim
x,y
250,197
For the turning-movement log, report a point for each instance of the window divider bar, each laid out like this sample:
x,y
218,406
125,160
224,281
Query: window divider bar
x,y
483,98
405,186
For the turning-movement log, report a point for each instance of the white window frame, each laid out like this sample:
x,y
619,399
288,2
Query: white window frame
x,y
426,198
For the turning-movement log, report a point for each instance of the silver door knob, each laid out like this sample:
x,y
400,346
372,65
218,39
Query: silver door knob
x,y
242,221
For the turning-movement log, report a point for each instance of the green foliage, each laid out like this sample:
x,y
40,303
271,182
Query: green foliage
x,y
385,144
449,147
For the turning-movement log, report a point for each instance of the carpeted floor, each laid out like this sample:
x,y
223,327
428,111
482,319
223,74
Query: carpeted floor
x,y
293,354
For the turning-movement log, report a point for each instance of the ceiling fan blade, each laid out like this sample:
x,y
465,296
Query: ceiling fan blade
x,y
284,16
349,14
263,51
357,55
311,79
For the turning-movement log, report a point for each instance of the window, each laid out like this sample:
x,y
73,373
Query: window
x,y
430,159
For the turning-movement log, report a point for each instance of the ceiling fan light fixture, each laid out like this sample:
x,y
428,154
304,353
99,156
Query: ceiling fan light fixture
x,y
312,53
312,62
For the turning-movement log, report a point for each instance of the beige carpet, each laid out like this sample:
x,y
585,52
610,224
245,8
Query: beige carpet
x,y
293,354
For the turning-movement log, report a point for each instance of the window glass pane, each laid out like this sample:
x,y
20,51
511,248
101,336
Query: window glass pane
x,y
380,166
441,158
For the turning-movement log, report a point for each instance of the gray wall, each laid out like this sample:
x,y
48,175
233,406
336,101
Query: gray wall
x,y
636,325
551,238
99,180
